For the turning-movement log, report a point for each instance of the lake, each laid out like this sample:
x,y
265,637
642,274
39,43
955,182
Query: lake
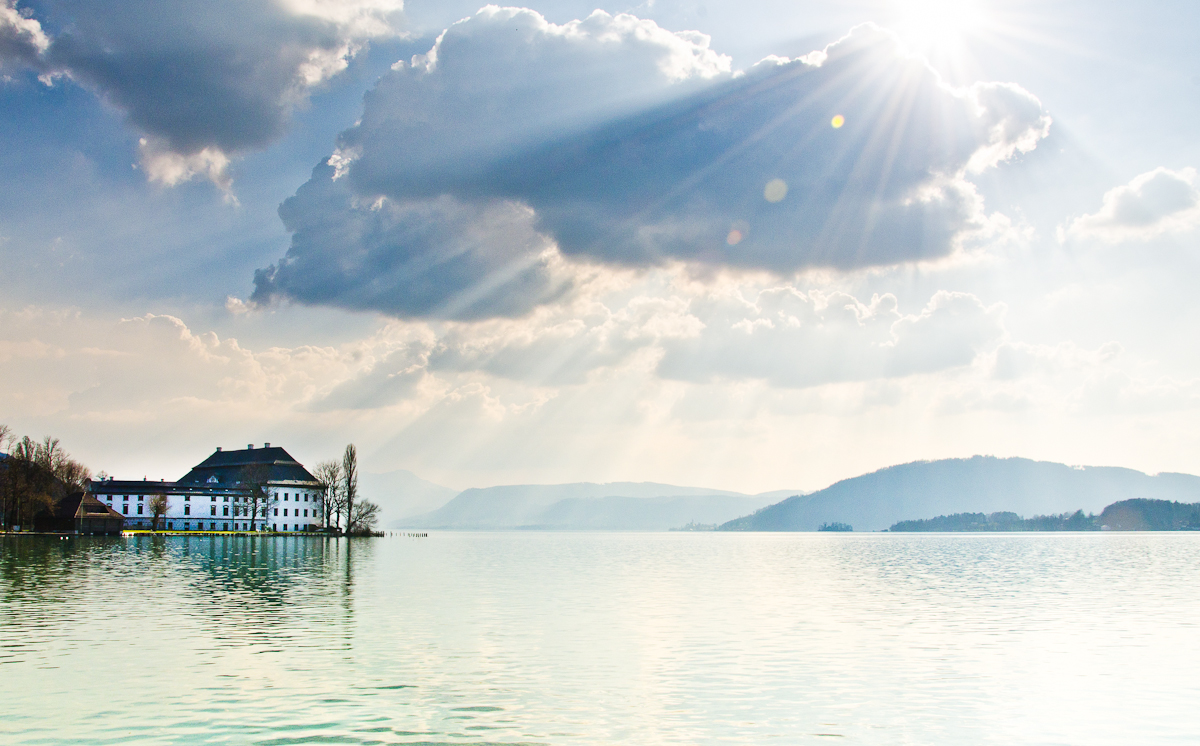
x,y
602,638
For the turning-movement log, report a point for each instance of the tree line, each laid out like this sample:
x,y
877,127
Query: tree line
x,y
1135,514
34,475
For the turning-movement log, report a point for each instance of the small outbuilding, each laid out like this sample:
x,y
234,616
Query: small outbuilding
x,y
81,513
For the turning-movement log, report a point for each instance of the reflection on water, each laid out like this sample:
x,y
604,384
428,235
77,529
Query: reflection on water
x,y
601,638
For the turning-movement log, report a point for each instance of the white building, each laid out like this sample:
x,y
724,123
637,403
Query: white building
x,y
213,495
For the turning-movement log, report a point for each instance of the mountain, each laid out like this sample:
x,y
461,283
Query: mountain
x,y
401,493
981,484
585,505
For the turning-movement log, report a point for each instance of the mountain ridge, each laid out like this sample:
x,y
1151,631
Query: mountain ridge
x,y
979,484
589,505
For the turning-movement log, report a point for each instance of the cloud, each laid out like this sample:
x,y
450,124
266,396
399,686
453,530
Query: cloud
x,y
1155,203
634,146
22,40
797,340
780,336
202,81
429,257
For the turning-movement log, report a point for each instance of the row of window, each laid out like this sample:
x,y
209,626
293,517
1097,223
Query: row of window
x,y
213,498
187,510
187,526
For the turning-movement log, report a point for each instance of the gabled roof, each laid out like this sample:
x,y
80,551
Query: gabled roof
x,y
227,466
90,506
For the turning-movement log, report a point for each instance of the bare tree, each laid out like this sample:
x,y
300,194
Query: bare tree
x,y
363,518
7,476
33,476
329,475
349,480
72,474
158,506
33,485
259,497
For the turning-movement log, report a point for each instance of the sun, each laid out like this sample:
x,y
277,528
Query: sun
x,y
937,27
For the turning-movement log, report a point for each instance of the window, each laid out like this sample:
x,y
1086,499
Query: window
x,y
305,497
170,526
140,497
285,512
125,498
125,509
226,510
214,498
274,527
187,498
306,514
139,510
285,497
212,509
226,498
276,511
285,527
187,509
224,526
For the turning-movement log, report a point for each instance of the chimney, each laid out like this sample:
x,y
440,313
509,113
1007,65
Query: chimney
x,y
249,446
266,445
218,449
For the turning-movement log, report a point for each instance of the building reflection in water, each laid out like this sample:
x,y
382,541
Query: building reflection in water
x,y
242,590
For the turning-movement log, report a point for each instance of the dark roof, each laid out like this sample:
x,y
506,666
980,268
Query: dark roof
x,y
130,487
226,466
82,503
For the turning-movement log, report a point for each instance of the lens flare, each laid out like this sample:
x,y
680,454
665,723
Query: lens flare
x,y
775,190
734,238
837,121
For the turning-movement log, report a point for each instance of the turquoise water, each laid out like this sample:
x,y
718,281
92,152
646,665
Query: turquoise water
x,y
602,638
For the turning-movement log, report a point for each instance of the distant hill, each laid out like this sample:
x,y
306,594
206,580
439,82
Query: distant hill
x,y
1137,514
631,506
401,493
981,484
1150,515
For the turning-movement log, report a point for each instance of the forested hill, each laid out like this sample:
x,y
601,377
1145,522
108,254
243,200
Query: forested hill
x,y
981,484
1138,514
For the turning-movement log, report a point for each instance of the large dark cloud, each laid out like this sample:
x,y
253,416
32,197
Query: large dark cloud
x,y
634,146
436,257
218,77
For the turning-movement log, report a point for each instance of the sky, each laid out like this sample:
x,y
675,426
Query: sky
x,y
748,246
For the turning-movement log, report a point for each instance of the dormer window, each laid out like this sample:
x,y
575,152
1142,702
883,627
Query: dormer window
x,y
213,480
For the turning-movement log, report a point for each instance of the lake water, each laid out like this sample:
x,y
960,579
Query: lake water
x,y
602,638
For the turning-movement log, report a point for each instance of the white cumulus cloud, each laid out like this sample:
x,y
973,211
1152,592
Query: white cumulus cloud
x,y
1155,203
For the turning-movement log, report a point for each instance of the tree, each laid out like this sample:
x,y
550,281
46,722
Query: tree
x,y
158,507
31,487
363,518
349,481
256,479
329,474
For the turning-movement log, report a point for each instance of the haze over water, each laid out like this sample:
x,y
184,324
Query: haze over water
x,y
578,638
